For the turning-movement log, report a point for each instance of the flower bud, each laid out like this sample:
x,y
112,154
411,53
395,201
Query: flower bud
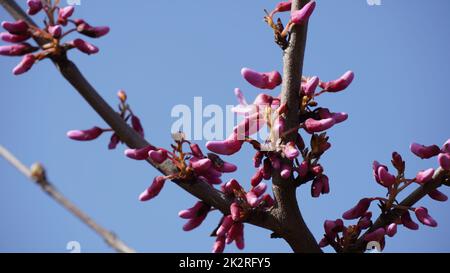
x,y
391,230
226,224
268,80
14,38
200,165
25,65
444,161
385,177
55,31
424,152
423,217
438,196
315,126
309,88
229,146
425,176
231,186
446,147
340,84
227,168
85,135
153,191
194,222
219,245
195,211
158,156
34,6
408,222
376,235
235,211
84,46
317,187
17,49
365,222
323,243
359,210
196,151
257,177
290,151
260,189
114,141
139,154
64,14
90,31
286,171
301,16
19,27
252,198
303,169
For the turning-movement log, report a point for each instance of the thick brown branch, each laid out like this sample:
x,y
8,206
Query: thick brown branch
x,y
440,177
109,237
295,231
199,189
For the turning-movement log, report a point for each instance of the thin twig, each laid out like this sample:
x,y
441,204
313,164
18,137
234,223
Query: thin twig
x,y
38,176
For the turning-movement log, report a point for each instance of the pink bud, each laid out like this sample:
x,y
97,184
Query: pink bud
x,y
446,147
200,165
139,154
19,27
226,147
359,210
315,126
64,14
227,167
55,31
425,176
196,151
34,6
263,100
326,184
303,169
310,87
365,222
438,196
198,209
424,152
375,167
391,230
444,161
231,186
85,135
333,227
323,243
317,169
158,156
385,177
340,84
25,65
226,224
423,216
137,126
316,187
408,222
236,233
286,171
268,80
17,49
290,151
260,189
113,142
301,16
219,245
236,211
339,117
194,222
257,178
252,198
257,159
90,31
282,7
153,191
376,235
14,38
84,46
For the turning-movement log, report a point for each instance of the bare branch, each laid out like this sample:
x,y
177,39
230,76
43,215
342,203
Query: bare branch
x,y
37,174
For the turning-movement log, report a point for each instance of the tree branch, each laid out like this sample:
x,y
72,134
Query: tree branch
x,y
296,232
199,189
440,177
38,175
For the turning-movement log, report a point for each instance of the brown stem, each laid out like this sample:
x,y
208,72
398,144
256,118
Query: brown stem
x,y
295,231
109,237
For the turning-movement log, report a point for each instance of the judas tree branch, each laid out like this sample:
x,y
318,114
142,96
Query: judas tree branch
x,y
197,188
295,231
440,178
38,175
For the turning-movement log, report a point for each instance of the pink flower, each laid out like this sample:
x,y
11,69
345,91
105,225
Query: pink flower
x,y
158,156
286,171
137,126
423,216
227,167
385,177
17,49
55,31
408,222
268,80
279,126
365,222
231,186
424,152
376,235
90,31
251,198
425,176
259,189
323,243
200,165
359,210
236,233
438,196
34,6
257,177
302,15
139,154
197,210
339,117
113,141
319,186
444,161
219,245
84,46
25,65
14,38
340,84
282,7
446,147
194,222
64,14
236,212
19,27
315,126
309,88
303,169
290,151
226,224
226,147
153,191
85,135
196,151
332,228
391,230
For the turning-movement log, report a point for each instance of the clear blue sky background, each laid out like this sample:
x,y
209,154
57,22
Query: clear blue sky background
x,y
166,52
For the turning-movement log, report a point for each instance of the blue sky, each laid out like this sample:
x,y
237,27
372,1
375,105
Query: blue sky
x,y
164,53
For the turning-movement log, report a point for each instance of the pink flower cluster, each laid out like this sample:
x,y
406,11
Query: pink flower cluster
x,y
395,184
125,113
53,32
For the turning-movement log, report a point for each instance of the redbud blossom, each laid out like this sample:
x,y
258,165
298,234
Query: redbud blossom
x,y
231,186
359,210
25,65
446,147
365,222
259,189
290,151
339,117
303,169
408,222
158,156
195,222
385,177
85,135
444,161
84,46
196,151
438,196
333,227
14,38
55,31
319,186
424,152
90,31
34,6
226,147
114,140
257,177
200,165
137,126
268,80
282,7
198,209
376,235
64,14
153,191
286,171
219,245
423,216
425,176
235,211
391,230
19,27
302,15
17,49
340,84
227,167
236,233
323,243
139,154
309,88
252,198
227,222
315,126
